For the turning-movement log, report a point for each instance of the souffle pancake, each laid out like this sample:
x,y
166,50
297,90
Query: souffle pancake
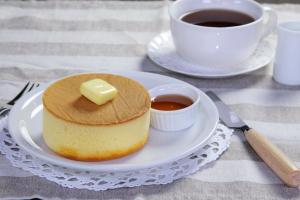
x,y
77,128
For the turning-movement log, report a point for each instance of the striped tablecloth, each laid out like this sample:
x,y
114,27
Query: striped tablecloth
x,y
44,40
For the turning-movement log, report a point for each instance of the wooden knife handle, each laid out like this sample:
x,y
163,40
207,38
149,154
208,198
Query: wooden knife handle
x,y
274,158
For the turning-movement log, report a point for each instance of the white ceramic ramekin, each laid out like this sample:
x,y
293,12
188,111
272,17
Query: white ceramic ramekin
x,y
178,119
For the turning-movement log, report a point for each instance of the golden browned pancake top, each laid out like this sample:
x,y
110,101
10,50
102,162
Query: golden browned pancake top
x,y
63,99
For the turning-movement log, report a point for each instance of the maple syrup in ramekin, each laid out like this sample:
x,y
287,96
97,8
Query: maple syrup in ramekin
x,y
170,102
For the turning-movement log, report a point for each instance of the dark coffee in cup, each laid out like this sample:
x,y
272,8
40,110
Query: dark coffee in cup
x,y
217,18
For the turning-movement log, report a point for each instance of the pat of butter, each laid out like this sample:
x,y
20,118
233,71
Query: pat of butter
x,y
98,91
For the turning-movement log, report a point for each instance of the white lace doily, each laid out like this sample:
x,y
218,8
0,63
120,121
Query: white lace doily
x,y
161,50
109,180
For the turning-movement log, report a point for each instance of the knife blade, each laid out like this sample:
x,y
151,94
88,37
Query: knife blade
x,y
271,154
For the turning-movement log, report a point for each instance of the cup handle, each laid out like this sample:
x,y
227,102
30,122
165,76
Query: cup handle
x,y
270,23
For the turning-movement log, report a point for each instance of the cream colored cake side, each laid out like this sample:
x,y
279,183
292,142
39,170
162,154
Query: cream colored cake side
x,y
95,142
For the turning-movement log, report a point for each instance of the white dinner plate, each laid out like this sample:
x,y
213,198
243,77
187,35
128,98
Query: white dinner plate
x,y
161,50
25,126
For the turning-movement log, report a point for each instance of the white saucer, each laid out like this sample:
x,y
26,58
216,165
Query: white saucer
x,y
161,50
25,127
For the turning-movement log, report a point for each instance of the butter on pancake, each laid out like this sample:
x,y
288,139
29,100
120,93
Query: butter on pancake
x,y
79,129
98,91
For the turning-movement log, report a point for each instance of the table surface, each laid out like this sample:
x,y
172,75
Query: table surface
x,y
44,40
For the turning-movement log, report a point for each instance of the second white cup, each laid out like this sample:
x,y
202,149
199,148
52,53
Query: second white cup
x,y
287,59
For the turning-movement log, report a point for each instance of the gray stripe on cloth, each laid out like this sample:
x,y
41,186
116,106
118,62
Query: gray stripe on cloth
x,y
13,73
241,82
34,23
276,114
64,49
238,83
39,73
112,5
243,151
181,189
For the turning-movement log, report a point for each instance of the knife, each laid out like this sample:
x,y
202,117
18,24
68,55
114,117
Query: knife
x,y
271,154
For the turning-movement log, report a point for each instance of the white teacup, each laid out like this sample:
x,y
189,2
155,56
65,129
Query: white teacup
x,y
219,47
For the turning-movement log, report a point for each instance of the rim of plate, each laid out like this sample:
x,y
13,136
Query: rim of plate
x,y
219,73
97,166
